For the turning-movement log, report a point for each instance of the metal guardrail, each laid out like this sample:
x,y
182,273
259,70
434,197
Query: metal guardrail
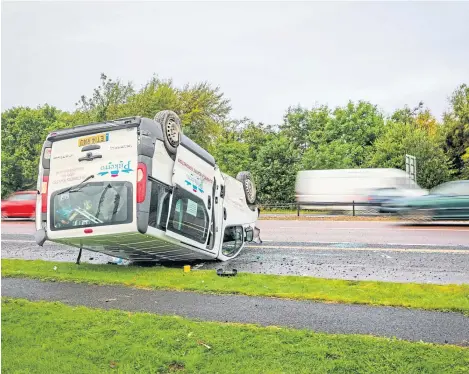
x,y
297,206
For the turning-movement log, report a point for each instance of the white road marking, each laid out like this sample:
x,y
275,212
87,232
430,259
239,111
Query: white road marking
x,y
355,243
366,249
311,248
369,228
17,241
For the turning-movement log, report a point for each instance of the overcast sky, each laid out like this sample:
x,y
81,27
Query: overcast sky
x,y
265,56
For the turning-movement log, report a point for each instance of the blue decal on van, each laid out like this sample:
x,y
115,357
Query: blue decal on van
x,y
115,168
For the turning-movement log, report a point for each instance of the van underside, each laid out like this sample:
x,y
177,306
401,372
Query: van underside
x,y
138,247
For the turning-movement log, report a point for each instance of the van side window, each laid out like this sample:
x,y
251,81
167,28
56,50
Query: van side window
x,y
189,216
232,240
159,205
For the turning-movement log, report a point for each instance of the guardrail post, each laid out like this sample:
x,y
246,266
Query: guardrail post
x,y
353,207
297,210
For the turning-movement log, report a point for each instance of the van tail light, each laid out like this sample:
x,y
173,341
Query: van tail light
x,y
47,153
45,185
141,182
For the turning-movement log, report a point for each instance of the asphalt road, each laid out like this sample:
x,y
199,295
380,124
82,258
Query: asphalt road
x,y
369,232
345,250
408,324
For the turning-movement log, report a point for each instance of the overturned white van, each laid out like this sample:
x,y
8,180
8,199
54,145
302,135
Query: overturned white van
x,y
137,188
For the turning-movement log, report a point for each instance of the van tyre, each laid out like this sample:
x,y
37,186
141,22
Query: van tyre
x,y
248,186
172,129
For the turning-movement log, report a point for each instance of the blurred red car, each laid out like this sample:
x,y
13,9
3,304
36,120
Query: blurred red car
x,y
21,204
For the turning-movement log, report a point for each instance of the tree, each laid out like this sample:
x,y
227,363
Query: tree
x,y
23,133
399,139
275,170
156,95
103,103
342,138
456,130
232,156
203,109
359,124
335,155
203,112
419,117
237,148
305,128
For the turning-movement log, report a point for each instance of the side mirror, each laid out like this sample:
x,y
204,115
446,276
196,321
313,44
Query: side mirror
x,y
249,234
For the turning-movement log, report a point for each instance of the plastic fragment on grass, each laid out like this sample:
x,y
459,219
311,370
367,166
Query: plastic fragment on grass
x,y
200,342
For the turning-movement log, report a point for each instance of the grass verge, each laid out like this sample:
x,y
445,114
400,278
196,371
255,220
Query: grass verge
x,y
424,296
44,337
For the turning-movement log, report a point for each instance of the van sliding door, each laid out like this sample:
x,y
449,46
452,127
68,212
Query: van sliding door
x,y
191,204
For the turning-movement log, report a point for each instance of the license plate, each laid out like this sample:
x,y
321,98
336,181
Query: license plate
x,y
93,139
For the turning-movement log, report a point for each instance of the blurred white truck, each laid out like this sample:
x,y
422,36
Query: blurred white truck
x,y
349,185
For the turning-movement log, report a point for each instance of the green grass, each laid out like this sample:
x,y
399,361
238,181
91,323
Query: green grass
x,y
43,337
424,296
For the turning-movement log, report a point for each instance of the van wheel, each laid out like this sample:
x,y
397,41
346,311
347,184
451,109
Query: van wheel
x,y
248,185
172,129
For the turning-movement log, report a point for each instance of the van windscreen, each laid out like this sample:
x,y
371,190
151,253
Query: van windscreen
x,y
92,204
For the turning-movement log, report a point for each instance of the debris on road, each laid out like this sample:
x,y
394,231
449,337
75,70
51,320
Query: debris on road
x,y
222,273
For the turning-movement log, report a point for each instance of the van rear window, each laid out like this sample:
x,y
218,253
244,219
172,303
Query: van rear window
x,y
93,204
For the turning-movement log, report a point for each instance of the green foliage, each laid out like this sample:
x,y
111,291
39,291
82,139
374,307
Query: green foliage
x,y
23,133
232,156
400,139
352,136
203,110
465,169
102,105
236,150
360,123
306,128
456,130
342,138
334,155
275,170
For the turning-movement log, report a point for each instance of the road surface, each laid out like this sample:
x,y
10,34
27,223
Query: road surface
x,y
408,324
354,250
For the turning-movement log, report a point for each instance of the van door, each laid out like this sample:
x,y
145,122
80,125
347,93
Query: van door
x,y
103,167
191,205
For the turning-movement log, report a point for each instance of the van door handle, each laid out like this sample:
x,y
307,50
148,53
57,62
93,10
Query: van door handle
x,y
89,157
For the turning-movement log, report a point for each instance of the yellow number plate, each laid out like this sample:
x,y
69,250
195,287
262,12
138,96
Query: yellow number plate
x,y
94,139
